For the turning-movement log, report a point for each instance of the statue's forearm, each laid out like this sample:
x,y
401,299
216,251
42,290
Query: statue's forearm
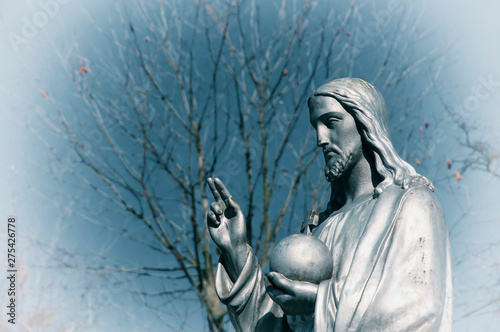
x,y
249,305
234,260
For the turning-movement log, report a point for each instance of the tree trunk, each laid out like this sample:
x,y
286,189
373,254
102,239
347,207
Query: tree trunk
x,y
216,324
215,312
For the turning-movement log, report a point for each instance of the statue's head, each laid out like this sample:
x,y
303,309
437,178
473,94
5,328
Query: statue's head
x,y
355,100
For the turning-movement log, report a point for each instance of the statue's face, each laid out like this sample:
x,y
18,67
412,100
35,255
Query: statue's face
x,y
336,134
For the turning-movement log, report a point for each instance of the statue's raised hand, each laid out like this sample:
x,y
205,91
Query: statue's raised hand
x,y
227,228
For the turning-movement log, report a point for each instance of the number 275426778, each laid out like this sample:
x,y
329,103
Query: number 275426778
x,y
11,243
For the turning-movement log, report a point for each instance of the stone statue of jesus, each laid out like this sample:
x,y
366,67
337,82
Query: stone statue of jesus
x,y
383,224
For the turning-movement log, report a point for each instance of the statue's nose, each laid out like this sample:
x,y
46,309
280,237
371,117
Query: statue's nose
x,y
321,138
321,142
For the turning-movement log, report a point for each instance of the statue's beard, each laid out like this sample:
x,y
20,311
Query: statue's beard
x,y
337,166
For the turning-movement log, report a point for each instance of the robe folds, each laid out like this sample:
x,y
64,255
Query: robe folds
x,y
392,271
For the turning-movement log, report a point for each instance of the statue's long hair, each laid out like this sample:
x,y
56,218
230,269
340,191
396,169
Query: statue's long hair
x,y
368,108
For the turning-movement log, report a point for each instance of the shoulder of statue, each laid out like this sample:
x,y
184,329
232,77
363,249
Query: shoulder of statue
x,y
415,194
420,192
414,198
411,190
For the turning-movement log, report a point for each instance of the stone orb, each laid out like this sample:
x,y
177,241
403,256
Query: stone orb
x,y
302,257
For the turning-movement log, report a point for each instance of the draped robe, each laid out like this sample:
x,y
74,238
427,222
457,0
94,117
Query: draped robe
x,y
392,271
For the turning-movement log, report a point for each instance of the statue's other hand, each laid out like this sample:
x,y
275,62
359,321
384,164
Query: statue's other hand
x,y
294,297
225,220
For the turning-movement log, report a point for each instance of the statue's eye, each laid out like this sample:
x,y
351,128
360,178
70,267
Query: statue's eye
x,y
331,121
